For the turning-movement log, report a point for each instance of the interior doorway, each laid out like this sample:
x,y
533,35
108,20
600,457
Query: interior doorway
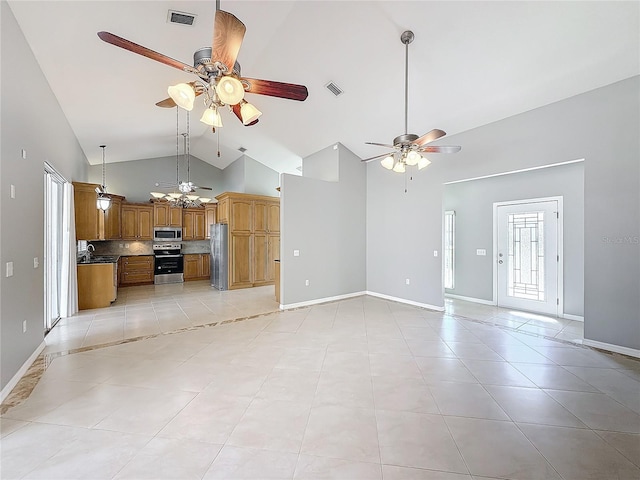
x,y
527,251
53,244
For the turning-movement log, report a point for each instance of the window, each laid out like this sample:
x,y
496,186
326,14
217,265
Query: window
x,y
449,246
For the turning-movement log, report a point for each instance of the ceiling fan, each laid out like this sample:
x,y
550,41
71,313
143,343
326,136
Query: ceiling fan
x,y
407,148
219,78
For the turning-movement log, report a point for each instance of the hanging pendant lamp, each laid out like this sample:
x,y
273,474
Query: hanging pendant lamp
x,y
103,201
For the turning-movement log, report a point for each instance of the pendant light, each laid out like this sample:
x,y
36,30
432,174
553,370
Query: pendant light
x,y
103,201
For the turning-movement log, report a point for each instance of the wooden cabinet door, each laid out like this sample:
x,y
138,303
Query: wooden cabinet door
x,y
145,223
192,266
129,215
240,260
274,254
86,211
260,217
241,216
273,217
161,214
206,265
260,255
112,220
222,211
209,219
175,216
188,227
198,225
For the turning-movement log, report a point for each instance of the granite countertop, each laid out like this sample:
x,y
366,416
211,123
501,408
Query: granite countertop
x,y
99,259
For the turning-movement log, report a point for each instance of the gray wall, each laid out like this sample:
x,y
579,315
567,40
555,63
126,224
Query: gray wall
x,y
600,126
136,179
473,204
325,221
46,137
233,176
246,175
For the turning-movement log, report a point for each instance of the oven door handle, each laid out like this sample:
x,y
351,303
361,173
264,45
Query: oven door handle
x,y
168,256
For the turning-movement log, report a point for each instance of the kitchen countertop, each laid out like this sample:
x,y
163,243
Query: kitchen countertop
x,y
99,259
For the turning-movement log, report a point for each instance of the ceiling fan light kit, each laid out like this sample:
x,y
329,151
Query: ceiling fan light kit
x,y
408,148
218,72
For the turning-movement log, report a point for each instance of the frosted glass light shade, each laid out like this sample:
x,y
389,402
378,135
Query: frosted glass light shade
x,y
103,203
423,162
399,168
174,195
230,90
183,95
192,197
211,116
249,113
412,158
387,162
157,194
204,200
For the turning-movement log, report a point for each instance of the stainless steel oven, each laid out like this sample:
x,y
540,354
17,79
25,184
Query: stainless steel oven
x,y
169,263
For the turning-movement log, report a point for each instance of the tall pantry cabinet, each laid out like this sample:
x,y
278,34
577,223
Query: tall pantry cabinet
x,y
254,237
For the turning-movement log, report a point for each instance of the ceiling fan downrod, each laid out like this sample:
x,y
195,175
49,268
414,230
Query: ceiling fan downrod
x,y
406,38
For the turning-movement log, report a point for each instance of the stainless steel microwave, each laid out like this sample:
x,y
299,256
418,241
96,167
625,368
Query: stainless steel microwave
x,y
167,234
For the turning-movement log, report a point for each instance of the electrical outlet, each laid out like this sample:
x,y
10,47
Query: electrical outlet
x,y
121,245
24,326
13,191
306,282
296,253
407,281
126,245
9,272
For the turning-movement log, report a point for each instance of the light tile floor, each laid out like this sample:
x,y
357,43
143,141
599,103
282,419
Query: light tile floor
x,y
362,388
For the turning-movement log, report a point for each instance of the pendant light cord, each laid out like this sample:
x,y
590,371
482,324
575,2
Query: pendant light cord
x,y
103,169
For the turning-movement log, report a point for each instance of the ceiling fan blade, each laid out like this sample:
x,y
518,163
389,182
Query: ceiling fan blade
x,y
366,160
228,33
429,137
380,144
237,112
169,103
290,91
145,52
441,149
202,188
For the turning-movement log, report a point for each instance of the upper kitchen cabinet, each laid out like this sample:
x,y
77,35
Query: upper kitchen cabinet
x,y
164,215
91,222
193,224
209,218
137,221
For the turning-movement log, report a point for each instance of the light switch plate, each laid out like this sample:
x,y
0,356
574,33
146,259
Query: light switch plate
x,y
9,271
36,262
13,191
481,251
435,253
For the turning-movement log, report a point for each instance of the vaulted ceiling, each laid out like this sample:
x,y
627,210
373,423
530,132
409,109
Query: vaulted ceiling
x,y
471,63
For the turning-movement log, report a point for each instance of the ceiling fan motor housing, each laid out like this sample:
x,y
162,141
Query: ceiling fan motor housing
x,y
405,139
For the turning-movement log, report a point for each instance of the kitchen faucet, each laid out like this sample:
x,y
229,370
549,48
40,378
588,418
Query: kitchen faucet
x,y
90,248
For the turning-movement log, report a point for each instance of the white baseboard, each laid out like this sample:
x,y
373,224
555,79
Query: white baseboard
x,y
631,352
20,373
404,300
569,316
320,300
470,299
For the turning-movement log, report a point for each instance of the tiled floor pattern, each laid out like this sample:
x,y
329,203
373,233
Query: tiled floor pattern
x,y
357,389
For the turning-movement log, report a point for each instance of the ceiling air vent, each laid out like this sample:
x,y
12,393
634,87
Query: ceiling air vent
x,y
181,18
333,88
242,149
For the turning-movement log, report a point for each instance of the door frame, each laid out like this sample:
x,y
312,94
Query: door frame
x,y
560,270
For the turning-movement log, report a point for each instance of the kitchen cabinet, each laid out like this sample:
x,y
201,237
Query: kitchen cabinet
x,y
97,285
164,215
254,237
209,218
193,224
91,222
136,270
137,221
196,266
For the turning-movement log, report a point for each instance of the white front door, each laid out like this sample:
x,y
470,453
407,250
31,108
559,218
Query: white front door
x,y
527,256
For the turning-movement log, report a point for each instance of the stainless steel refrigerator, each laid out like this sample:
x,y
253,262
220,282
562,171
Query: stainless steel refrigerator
x,y
220,256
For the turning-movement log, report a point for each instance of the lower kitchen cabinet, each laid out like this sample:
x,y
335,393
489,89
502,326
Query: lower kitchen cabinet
x,y
196,266
96,285
136,270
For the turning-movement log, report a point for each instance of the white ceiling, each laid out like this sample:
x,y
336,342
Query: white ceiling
x,y
471,63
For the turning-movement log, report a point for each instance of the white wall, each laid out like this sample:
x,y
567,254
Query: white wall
x,y
325,221
600,126
46,136
473,203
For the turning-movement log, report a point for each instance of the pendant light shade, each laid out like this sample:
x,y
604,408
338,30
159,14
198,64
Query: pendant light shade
x,y
388,162
211,116
423,162
249,113
183,95
413,157
230,90
103,202
399,168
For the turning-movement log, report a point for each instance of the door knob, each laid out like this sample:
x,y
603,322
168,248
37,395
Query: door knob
x,y
500,261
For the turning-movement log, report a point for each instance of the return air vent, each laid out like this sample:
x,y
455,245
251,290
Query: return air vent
x,y
333,88
242,149
181,18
